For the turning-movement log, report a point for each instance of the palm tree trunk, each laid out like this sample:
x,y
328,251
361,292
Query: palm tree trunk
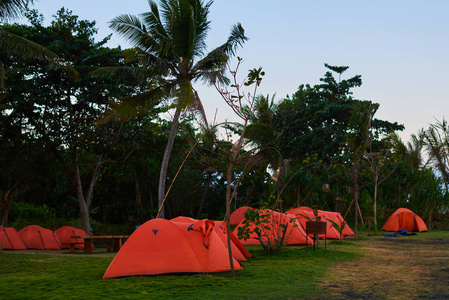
x,y
165,159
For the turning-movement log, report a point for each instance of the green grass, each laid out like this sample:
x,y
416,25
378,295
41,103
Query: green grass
x,y
290,274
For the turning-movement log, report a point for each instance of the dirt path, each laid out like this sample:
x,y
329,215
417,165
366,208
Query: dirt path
x,y
394,268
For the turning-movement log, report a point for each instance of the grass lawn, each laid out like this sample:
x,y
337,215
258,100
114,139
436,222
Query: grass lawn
x,y
290,274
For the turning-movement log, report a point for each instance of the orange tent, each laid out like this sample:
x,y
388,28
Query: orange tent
x,y
404,218
37,237
331,232
326,215
161,246
221,226
238,215
295,234
65,234
10,239
220,229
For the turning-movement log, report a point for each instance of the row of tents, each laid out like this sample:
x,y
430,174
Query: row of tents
x,y
186,245
37,237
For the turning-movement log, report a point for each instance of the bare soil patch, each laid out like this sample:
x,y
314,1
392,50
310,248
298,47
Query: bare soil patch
x,y
393,268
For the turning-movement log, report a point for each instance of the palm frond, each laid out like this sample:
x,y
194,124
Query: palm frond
x,y
235,40
121,72
11,9
130,27
135,106
27,49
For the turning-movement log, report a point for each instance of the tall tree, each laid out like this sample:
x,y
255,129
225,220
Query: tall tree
x,y
59,110
170,43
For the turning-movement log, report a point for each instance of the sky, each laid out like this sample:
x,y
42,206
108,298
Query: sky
x,y
400,47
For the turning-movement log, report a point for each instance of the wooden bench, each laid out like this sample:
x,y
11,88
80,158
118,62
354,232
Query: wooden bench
x,y
116,241
73,245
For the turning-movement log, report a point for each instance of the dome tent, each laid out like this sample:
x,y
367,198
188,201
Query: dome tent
x,y
37,237
161,246
10,239
220,229
238,215
404,218
65,234
295,234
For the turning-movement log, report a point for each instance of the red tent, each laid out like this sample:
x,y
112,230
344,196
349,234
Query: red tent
x,y
10,239
238,215
220,229
404,218
295,234
37,237
161,246
65,234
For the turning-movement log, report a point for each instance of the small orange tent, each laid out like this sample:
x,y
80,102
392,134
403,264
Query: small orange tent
x,y
220,229
65,234
37,237
161,246
238,215
11,239
325,215
404,218
331,232
295,234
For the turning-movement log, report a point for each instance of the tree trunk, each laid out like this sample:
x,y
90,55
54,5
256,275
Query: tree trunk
x,y
228,214
355,189
5,216
375,200
165,159
203,198
84,208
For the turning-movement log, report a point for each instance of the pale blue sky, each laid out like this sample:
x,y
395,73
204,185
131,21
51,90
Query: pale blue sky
x,y
400,47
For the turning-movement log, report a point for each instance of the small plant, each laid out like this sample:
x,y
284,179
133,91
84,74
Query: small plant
x,y
339,227
270,229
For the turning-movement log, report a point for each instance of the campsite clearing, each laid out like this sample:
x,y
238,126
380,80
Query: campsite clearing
x,y
394,268
374,267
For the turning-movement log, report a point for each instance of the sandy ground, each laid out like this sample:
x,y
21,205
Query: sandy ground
x,y
394,268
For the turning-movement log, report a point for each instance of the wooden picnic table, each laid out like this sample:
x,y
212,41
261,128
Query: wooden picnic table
x,y
117,241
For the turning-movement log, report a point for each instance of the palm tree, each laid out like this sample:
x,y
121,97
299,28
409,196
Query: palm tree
x,y
437,144
170,43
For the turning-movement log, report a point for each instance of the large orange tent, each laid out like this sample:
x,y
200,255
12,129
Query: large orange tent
x,y
404,218
238,215
295,234
65,234
161,246
37,237
238,252
10,239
